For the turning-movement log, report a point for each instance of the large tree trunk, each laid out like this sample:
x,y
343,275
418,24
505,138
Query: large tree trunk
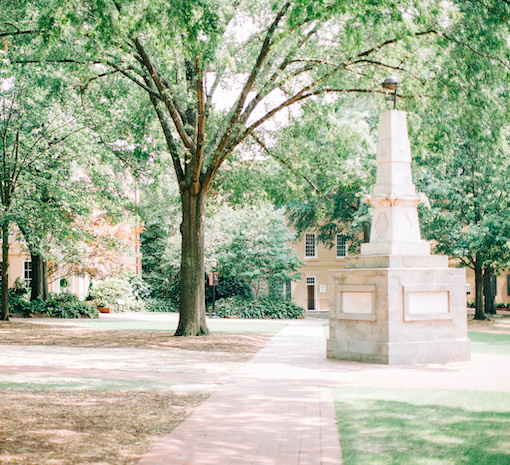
x,y
479,313
192,320
39,284
4,297
489,290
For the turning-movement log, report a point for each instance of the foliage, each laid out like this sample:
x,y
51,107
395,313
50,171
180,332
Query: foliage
x,y
229,287
108,293
63,305
250,245
141,289
262,308
70,309
156,305
326,157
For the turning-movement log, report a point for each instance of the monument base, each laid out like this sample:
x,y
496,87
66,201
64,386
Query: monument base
x,y
401,315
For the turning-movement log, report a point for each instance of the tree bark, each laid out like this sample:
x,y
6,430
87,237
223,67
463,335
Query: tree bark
x,y
479,313
192,320
489,285
39,284
4,295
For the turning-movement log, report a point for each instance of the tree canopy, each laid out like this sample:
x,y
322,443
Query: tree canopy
x,y
217,73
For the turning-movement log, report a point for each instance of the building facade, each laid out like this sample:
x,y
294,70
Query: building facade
x,y
311,291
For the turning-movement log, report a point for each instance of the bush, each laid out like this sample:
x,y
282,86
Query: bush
x,y
160,305
108,292
141,289
70,309
64,305
263,308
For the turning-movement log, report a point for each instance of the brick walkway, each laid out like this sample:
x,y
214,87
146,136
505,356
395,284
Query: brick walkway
x,y
278,410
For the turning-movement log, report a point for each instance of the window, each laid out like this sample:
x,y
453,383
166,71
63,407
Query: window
x,y
27,272
310,245
281,290
341,246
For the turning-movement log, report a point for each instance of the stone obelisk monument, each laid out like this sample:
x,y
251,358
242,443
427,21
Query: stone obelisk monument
x,y
396,303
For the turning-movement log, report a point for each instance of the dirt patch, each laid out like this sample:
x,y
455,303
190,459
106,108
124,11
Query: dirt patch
x,y
58,426
494,323
30,333
67,427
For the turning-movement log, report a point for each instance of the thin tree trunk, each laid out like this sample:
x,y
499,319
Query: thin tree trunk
x,y
366,233
489,285
4,297
39,284
479,313
192,320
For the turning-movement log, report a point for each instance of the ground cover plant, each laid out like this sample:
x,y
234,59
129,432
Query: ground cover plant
x,y
88,416
413,427
262,308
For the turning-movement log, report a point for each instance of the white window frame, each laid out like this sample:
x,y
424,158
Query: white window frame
x,y
27,271
312,281
308,245
341,248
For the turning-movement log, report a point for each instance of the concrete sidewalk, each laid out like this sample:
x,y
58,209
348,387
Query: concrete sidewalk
x,y
277,410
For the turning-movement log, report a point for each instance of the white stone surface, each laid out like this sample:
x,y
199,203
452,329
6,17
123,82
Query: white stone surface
x,y
357,302
395,216
396,303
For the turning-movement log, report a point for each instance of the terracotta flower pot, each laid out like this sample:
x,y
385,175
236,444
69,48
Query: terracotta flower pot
x,y
105,310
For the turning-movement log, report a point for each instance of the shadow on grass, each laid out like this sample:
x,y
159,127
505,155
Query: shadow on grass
x,y
490,343
423,427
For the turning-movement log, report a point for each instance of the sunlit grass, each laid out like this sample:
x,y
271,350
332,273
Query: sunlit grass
x,y
215,325
401,426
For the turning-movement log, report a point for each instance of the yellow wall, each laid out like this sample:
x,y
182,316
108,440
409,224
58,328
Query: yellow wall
x,y
501,284
319,269
326,260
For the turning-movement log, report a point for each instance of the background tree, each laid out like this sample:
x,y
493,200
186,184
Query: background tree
x,y
32,132
285,53
250,245
460,139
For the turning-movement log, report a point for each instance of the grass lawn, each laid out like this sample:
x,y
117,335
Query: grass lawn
x,y
215,325
415,427
490,343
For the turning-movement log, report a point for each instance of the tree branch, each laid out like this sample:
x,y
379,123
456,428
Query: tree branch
x,y
237,108
18,32
392,41
132,78
199,153
167,131
286,163
176,117
483,55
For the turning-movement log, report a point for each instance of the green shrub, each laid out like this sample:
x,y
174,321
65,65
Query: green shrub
x,y
141,288
263,308
110,290
160,305
70,309
64,305
502,305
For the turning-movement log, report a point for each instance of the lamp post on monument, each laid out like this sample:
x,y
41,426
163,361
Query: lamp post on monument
x,y
390,86
213,282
